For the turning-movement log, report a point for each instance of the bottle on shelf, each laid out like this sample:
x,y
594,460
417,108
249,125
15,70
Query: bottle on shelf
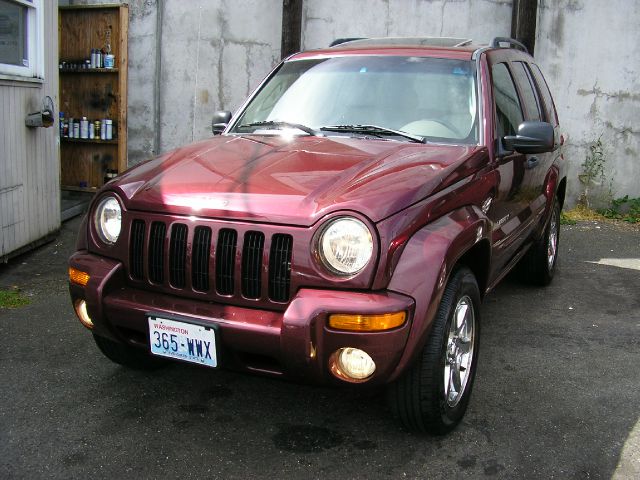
x,y
84,128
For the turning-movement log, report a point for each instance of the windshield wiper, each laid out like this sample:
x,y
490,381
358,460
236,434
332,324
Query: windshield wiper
x,y
278,125
373,130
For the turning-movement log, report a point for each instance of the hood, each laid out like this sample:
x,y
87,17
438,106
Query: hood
x,y
293,181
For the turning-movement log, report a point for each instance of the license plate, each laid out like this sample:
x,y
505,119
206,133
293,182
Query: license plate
x,y
183,341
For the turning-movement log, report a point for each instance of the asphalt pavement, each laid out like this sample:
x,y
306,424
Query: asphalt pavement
x,y
556,394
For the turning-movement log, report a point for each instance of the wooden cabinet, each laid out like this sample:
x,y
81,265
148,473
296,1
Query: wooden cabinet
x,y
94,93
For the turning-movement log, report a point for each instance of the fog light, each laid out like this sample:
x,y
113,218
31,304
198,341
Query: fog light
x,y
79,277
367,323
81,312
352,364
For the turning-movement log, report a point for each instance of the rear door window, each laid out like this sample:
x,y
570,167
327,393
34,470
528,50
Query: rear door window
x,y
508,109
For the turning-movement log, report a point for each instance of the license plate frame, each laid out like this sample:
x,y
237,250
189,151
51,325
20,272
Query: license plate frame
x,y
184,339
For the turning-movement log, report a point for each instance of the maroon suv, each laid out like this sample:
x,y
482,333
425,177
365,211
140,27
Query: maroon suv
x,y
343,228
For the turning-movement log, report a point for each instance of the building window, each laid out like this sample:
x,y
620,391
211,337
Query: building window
x,y
21,38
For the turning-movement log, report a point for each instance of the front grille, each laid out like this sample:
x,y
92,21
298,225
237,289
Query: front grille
x,y
136,262
200,265
230,256
280,267
225,261
251,264
156,252
178,255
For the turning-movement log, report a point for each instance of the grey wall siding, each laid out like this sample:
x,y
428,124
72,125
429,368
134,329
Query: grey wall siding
x,y
588,52
29,157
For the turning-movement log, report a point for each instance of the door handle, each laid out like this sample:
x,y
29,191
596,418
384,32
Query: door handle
x,y
532,162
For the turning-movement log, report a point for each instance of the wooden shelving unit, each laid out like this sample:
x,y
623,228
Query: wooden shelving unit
x,y
93,93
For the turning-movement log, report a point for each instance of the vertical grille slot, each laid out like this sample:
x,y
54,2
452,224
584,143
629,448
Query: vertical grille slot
x,y
178,255
136,263
225,261
156,252
251,264
280,267
200,258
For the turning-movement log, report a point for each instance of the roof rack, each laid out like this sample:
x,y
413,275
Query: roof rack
x,y
495,43
339,41
404,41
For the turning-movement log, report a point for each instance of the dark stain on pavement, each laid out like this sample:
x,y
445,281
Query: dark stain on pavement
x,y
492,467
365,445
468,462
217,391
74,459
306,438
194,409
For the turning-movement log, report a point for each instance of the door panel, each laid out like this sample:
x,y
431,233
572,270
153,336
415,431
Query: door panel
x,y
510,211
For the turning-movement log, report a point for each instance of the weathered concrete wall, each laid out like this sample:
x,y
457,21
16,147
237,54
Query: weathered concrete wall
x,y
208,55
588,51
213,54
326,20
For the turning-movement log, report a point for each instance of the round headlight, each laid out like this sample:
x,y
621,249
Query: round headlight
x,y
108,219
345,246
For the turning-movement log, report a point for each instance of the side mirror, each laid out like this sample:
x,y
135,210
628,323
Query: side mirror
x,y
532,137
220,121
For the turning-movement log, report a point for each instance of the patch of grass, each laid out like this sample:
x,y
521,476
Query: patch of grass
x,y
13,299
580,213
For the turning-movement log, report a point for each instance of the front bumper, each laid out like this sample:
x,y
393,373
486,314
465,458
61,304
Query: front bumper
x,y
294,343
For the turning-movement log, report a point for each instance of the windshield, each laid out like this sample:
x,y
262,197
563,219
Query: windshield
x,y
433,98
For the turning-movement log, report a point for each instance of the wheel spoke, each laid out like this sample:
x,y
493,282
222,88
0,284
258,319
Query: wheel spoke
x,y
455,380
461,318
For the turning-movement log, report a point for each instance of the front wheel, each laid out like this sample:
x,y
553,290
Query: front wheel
x,y
433,395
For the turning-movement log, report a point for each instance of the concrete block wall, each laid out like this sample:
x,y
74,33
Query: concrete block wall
x,y
589,53
326,20
209,55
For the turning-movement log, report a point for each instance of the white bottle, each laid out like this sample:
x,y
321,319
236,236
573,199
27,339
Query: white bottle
x,y
84,128
109,129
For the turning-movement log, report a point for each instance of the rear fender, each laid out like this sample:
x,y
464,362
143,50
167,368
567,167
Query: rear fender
x,y
425,265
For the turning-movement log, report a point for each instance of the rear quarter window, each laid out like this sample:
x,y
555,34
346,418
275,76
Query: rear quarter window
x,y
551,115
529,96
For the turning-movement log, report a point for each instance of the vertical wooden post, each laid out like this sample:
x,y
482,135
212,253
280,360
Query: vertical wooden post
x,y
291,27
523,22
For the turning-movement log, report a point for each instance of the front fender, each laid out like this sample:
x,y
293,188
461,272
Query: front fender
x,y
426,263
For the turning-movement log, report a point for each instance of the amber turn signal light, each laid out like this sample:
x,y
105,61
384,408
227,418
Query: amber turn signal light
x,y
367,323
78,277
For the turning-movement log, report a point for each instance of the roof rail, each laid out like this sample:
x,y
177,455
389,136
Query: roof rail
x,y
464,43
495,43
338,41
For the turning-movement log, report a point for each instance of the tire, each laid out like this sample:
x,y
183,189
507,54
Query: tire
x,y
127,356
539,264
420,399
